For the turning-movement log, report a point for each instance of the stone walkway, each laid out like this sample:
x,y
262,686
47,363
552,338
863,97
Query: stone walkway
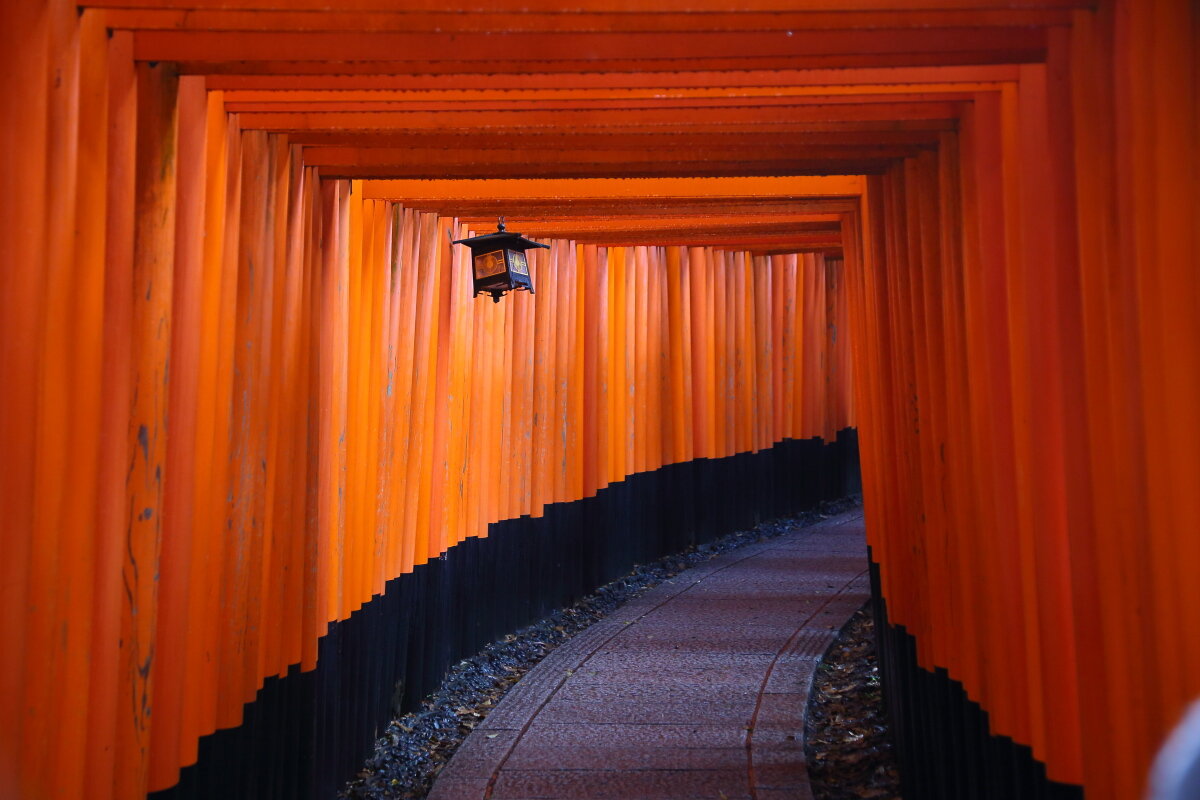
x,y
694,690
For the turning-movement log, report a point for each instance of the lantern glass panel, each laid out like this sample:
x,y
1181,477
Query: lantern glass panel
x,y
489,264
517,263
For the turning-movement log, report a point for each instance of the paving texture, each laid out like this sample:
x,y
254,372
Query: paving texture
x,y
694,690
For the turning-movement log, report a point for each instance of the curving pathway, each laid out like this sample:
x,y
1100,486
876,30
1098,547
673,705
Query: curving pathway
x,y
696,689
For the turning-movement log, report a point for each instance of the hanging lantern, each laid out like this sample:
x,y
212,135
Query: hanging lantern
x,y
498,261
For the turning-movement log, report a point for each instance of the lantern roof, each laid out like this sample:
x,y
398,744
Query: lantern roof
x,y
502,238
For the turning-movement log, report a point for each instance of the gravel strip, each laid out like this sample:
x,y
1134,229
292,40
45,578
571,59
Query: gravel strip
x,y
846,740
415,747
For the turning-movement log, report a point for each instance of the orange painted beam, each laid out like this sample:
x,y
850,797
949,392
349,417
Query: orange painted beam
x,y
819,241
935,108
881,131
686,189
584,169
477,99
518,51
247,18
599,207
650,228
617,157
883,134
1007,55
526,7
606,100
659,77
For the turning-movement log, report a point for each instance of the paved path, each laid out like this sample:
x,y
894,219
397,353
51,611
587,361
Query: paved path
x,y
694,690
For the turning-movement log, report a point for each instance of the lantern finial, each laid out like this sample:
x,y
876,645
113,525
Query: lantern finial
x,y
500,226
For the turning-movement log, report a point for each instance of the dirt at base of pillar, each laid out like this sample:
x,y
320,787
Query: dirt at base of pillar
x,y
846,741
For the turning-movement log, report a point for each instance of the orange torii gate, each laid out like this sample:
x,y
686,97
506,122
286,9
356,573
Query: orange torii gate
x,y
246,394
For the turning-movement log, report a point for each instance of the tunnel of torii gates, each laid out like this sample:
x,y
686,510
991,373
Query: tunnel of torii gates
x,y
268,468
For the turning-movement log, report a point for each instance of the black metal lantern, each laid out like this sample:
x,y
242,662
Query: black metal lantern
x,y
498,261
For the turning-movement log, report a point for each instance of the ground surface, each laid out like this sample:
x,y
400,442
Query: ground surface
x,y
846,741
695,689
417,746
